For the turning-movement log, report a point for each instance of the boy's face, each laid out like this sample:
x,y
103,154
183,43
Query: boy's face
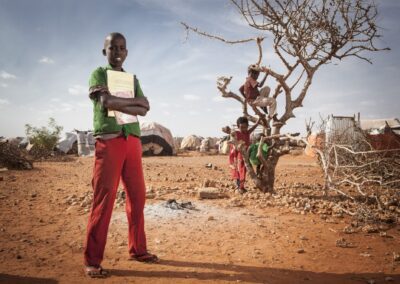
x,y
254,74
115,51
243,127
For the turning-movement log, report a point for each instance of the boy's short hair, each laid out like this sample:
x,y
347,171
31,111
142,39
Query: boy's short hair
x,y
113,35
252,68
242,120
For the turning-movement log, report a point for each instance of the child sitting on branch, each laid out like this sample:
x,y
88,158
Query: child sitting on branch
x,y
258,97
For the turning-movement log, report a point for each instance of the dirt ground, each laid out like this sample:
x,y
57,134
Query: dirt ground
x,y
246,239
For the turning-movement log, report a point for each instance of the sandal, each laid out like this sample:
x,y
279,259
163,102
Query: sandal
x,y
95,271
147,257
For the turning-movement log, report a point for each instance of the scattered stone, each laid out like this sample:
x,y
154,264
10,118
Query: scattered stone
x,y
365,254
303,238
209,193
209,166
389,279
235,202
173,204
209,183
396,256
385,235
349,230
150,195
370,229
371,281
301,251
211,218
342,243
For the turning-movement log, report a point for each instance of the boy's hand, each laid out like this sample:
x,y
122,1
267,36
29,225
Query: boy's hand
x,y
104,96
142,102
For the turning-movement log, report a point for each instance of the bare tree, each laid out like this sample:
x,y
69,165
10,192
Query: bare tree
x,y
306,34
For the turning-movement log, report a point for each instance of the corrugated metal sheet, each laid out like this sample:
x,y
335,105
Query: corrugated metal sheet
x,y
341,130
370,124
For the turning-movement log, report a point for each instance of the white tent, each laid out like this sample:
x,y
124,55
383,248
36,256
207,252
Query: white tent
x,y
191,142
84,139
66,142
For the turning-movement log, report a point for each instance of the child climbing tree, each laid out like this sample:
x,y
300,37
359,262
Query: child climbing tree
x,y
306,34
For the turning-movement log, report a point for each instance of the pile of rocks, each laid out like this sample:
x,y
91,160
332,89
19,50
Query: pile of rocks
x,y
84,201
304,199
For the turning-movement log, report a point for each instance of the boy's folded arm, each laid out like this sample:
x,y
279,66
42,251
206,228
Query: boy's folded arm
x,y
134,110
116,103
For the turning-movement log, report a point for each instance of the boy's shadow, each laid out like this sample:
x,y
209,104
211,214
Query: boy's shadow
x,y
251,274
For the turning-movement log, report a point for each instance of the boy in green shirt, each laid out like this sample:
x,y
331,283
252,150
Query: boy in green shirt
x,y
118,156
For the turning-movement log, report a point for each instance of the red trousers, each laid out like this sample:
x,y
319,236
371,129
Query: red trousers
x,y
238,168
115,159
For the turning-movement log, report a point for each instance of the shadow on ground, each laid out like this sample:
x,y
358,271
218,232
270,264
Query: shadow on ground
x,y
15,279
251,274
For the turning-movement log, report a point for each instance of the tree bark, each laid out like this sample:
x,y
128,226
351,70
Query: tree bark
x,y
268,174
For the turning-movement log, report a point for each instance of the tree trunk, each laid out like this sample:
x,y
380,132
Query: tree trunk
x,y
268,173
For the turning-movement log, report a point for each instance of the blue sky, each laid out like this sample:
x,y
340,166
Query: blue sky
x,y
49,48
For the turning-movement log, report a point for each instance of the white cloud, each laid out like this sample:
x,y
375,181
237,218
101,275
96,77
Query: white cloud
x,y
233,110
59,108
46,60
55,100
4,102
6,75
85,104
367,103
164,104
193,112
77,90
190,97
3,85
208,77
218,99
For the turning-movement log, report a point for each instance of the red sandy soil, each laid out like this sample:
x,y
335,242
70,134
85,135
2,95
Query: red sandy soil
x,y
42,234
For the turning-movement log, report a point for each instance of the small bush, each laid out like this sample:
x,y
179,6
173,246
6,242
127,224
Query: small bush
x,y
43,139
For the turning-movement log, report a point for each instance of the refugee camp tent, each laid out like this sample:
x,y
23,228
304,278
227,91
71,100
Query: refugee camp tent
x,y
65,144
209,144
77,142
86,143
157,140
205,145
177,142
191,142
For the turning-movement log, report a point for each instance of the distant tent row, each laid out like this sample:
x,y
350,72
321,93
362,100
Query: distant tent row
x,y
157,140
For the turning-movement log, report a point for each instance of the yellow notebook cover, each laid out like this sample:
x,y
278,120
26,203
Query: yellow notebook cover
x,y
122,85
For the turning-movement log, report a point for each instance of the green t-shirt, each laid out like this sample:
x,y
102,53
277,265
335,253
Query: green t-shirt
x,y
253,149
102,123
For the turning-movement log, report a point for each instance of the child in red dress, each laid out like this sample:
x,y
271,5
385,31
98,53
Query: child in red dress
x,y
236,159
